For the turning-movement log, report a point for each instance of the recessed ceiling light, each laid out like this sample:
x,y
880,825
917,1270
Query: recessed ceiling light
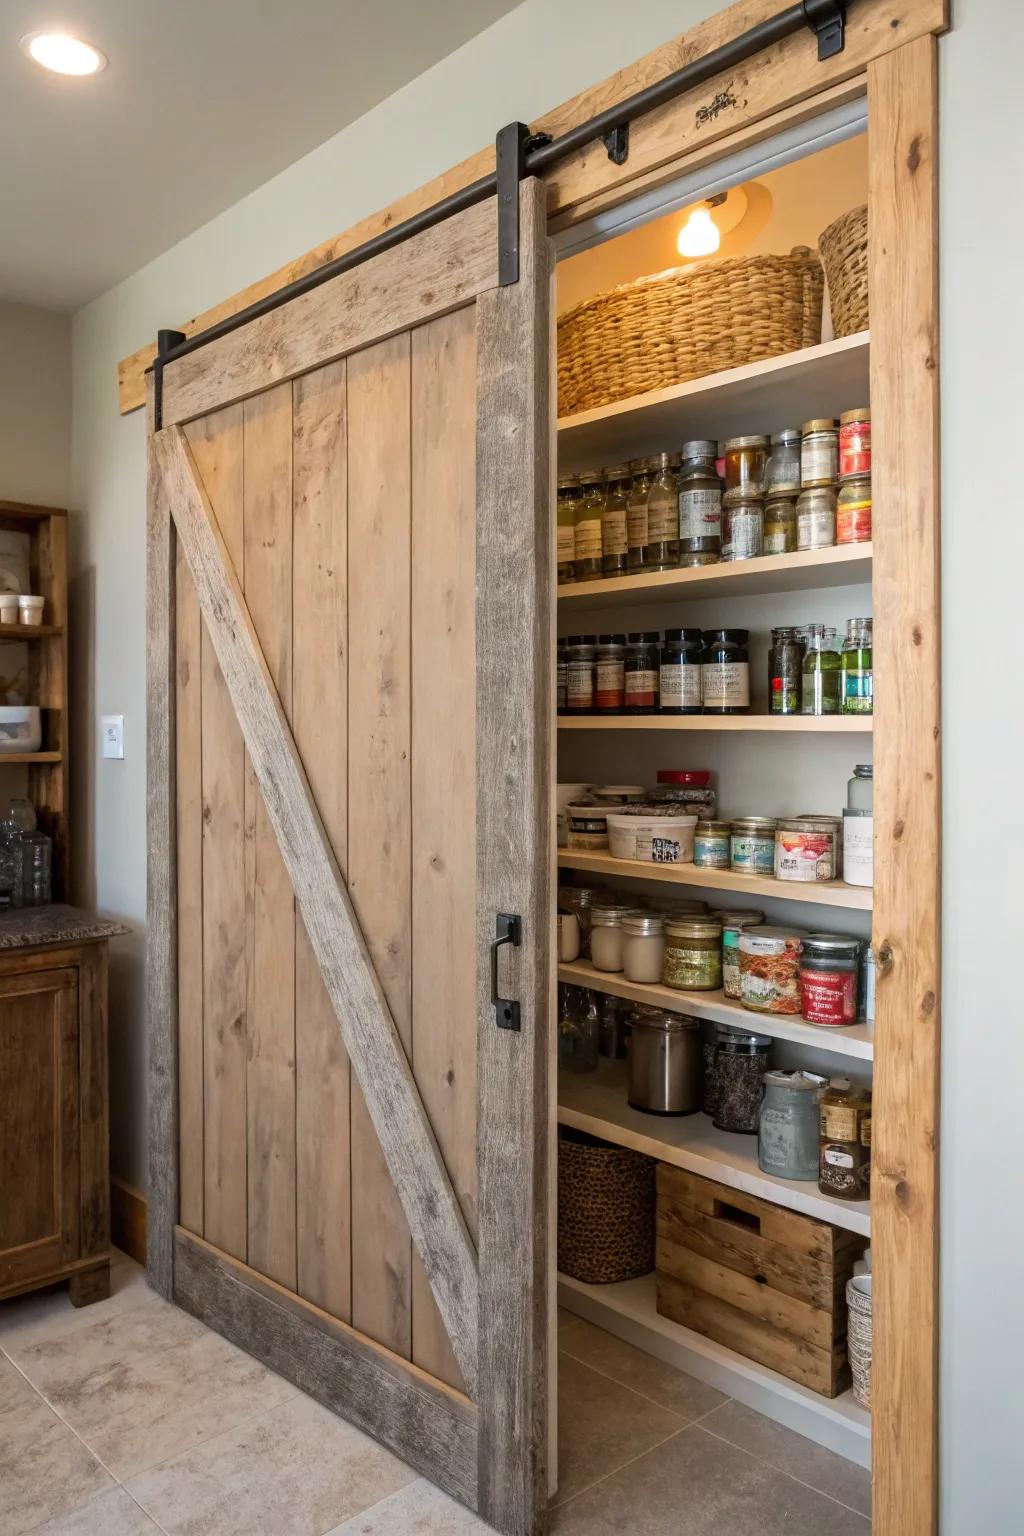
x,y
65,55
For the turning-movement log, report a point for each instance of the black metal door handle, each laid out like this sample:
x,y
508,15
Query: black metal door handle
x,y
508,930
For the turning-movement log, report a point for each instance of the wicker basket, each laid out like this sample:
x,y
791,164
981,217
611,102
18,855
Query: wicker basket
x,y
858,1339
844,254
685,323
606,1204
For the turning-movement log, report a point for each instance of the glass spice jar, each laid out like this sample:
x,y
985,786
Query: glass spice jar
x,y
610,675
680,690
741,1061
819,453
828,978
853,511
613,521
816,519
733,923
742,526
643,665
579,679
782,474
844,1169
693,954
745,462
661,552
857,688
711,845
700,505
855,442
725,672
752,845
636,513
587,534
789,1126
643,946
780,525
565,516
820,679
579,1029
785,668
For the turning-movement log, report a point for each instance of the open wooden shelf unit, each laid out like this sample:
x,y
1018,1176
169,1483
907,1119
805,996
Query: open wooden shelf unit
x,y
825,893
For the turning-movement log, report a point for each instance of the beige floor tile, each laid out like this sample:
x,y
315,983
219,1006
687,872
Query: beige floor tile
x,y
45,1314
698,1485
45,1471
14,1389
136,1413
112,1514
601,1426
793,1453
651,1377
68,1361
418,1510
295,1471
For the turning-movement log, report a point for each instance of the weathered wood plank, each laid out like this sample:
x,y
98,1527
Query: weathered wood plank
x,y
270,1070
444,771
380,771
432,1429
367,1026
903,281
515,870
93,1148
320,724
189,821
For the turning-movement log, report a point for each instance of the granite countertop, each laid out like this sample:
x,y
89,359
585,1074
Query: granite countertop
x,y
34,927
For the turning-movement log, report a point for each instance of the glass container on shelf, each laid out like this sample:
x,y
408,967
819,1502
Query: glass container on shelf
x,y
661,552
565,513
780,525
579,1029
742,526
725,672
746,459
821,676
643,666
857,680
785,669
782,475
700,505
587,533
642,474
610,675
681,657
613,521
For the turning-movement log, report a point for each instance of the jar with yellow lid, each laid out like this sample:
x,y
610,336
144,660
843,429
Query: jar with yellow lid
x,y
693,954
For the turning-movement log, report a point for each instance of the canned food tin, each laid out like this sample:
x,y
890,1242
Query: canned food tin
x,y
711,845
733,923
752,845
770,970
805,849
588,826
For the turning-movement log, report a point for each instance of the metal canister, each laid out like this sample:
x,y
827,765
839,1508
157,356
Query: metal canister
x,y
664,1063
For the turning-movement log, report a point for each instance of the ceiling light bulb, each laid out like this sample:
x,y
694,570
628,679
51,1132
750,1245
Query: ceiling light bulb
x,y
699,236
64,55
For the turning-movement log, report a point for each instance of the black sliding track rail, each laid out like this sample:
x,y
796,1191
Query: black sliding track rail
x,y
519,154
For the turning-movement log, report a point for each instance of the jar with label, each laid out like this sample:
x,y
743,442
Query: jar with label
x,y
579,674
857,678
782,475
770,970
733,923
741,1061
855,442
780,525
587,535
700,505
606,934
789,1127
866,986
820,682
752,845
643,665
725,672
613,521
746,459
636,512
807,849
565,516
816,518
858,847
661,552
819,453
742,526
853,511
561,674
844,1169
610,675
711,845
643,946
828,978
693,954
785,670
681,656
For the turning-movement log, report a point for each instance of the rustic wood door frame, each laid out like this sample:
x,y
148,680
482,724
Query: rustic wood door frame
x,y
489,1448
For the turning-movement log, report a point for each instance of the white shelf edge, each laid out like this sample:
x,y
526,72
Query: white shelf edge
x,y
832,893
629,1312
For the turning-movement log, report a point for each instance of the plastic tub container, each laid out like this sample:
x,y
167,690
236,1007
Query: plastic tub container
x,y
30,610
653,839
587,826
21,728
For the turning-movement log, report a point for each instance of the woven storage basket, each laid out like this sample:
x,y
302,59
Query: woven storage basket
x,y
606,1203
844,254
858,1338
687,322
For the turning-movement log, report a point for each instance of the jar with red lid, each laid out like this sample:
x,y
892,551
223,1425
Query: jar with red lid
x,y
828,979
689,787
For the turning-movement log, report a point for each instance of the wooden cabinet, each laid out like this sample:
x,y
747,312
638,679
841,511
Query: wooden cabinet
x,y
54,1178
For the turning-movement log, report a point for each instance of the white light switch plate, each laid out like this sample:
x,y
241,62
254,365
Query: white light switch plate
x,y
112,727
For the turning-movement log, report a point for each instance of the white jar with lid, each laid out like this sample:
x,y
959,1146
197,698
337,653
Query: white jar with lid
x,y
643,946
859,828
606,936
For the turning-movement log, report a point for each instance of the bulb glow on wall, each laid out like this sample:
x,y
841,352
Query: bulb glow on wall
x,y
62,54
700,235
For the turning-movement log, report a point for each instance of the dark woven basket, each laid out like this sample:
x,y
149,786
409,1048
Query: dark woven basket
x,y
606,1210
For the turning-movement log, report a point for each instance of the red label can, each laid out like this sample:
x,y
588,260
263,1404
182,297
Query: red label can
x,y
829,997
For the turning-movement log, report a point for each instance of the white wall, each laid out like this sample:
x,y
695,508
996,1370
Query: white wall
x,y
532,59
35,405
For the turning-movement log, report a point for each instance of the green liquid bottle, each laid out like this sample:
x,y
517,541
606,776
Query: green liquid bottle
x,y
821,683
857,696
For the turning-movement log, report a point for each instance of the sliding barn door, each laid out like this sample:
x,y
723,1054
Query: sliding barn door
x,y
349,754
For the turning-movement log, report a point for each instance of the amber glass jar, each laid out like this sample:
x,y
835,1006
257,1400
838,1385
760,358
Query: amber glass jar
x,y
780,525
845,1168
746,459
587,535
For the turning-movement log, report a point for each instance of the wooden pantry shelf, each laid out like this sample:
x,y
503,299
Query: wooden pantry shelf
x,y
596,1102
853,1040
30,631
807,570
844,725
759,397
31,757
827,893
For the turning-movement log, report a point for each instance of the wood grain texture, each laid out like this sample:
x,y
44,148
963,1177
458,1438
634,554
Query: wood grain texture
x,y
429,274
515,871
380,790
433,1430
93,1174
320,724
270,1008
161,885
128,1220
48,681
189,820
216,444
771,82
368,1028
903,282
444,771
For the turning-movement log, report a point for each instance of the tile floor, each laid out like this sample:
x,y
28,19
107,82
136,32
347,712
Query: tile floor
x,y
128,1418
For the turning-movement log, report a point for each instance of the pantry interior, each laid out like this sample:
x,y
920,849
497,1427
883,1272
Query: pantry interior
x,y
760,764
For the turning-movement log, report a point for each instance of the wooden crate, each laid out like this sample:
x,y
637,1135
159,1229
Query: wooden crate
x,y
766,1282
